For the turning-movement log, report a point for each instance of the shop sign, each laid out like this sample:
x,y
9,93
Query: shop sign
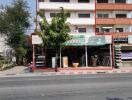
x,y
36,39
108,39
96,40
130,39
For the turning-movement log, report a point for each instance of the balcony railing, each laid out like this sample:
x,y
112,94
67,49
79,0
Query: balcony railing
x,y
114,21
78,21
113,6
117,34
67,6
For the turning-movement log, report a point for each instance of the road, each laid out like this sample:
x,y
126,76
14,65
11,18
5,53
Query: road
x,y
79,87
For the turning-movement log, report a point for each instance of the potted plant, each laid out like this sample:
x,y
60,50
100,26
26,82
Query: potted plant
x,y
75,63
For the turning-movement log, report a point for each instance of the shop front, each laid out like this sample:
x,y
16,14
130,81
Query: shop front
x,y
123,52
81,52
88,52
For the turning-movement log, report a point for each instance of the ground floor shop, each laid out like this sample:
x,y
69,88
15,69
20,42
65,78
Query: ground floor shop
x,y
97,56
123,55
80,52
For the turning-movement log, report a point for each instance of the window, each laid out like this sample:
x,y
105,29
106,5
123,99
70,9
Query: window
x,y
59,1
120,1
121,16
97,29
54,14
41,0
119,29
82,30
102,1
83,1
84,15
103,15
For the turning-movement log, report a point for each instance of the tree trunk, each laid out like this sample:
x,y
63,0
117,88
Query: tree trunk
x,y
56,58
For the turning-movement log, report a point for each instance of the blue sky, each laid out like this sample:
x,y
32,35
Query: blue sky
x,y
32,9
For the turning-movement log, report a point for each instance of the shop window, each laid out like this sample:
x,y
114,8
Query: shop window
x,y
120,1
119,29
82,30
84,15
121,16
102,1
83,1
59,1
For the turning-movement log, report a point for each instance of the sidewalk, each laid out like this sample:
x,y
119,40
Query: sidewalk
x,y
15,70
23,71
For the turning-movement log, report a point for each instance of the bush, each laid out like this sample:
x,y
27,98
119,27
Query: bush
x,y
6,66
1,58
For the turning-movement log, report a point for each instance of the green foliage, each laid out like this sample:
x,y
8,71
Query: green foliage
x,y
55,33
14,22
21,51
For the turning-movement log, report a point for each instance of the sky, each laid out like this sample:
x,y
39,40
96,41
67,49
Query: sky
x,y
32,10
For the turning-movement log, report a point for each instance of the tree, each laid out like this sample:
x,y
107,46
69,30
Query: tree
x,y
14,21
55,33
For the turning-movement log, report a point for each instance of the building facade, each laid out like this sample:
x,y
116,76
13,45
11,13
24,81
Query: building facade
x,y
3,45
97,17
115,17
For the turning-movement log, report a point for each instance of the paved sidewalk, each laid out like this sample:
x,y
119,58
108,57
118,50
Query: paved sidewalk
x,y
14,70
23,71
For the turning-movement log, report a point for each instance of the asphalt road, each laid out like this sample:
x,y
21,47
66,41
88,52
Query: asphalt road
x,y
81,87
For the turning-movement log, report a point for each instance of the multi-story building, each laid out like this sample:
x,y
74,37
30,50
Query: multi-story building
x,y
115,17
3,45
97,17
81,13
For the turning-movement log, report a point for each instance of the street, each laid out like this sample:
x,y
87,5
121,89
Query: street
x,y
79,87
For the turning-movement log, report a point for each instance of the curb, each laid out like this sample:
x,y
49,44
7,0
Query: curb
x,y
66,73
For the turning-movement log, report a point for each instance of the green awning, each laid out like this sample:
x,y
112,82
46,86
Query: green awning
x,y
90,41
76,41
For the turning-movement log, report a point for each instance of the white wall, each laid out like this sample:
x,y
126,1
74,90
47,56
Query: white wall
x,y
3,45
67,6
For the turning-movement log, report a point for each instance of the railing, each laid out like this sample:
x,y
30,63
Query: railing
x,y
113,6
117,34
114,21
66,6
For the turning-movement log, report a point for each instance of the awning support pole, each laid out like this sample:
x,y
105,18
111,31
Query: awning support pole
x,y
110,56
86,54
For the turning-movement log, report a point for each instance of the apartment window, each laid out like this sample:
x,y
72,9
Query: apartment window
x,y
97,30
121,16
119,29
82,30
120,1
54,14
83,1
102,1
84,15
41,0
103,15
59,1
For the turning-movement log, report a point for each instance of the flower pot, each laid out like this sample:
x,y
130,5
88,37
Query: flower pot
x,y
75,65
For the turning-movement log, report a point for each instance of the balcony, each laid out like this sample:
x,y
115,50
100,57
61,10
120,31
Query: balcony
x,y
113,6
118,34
78,21
113,21
67,6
